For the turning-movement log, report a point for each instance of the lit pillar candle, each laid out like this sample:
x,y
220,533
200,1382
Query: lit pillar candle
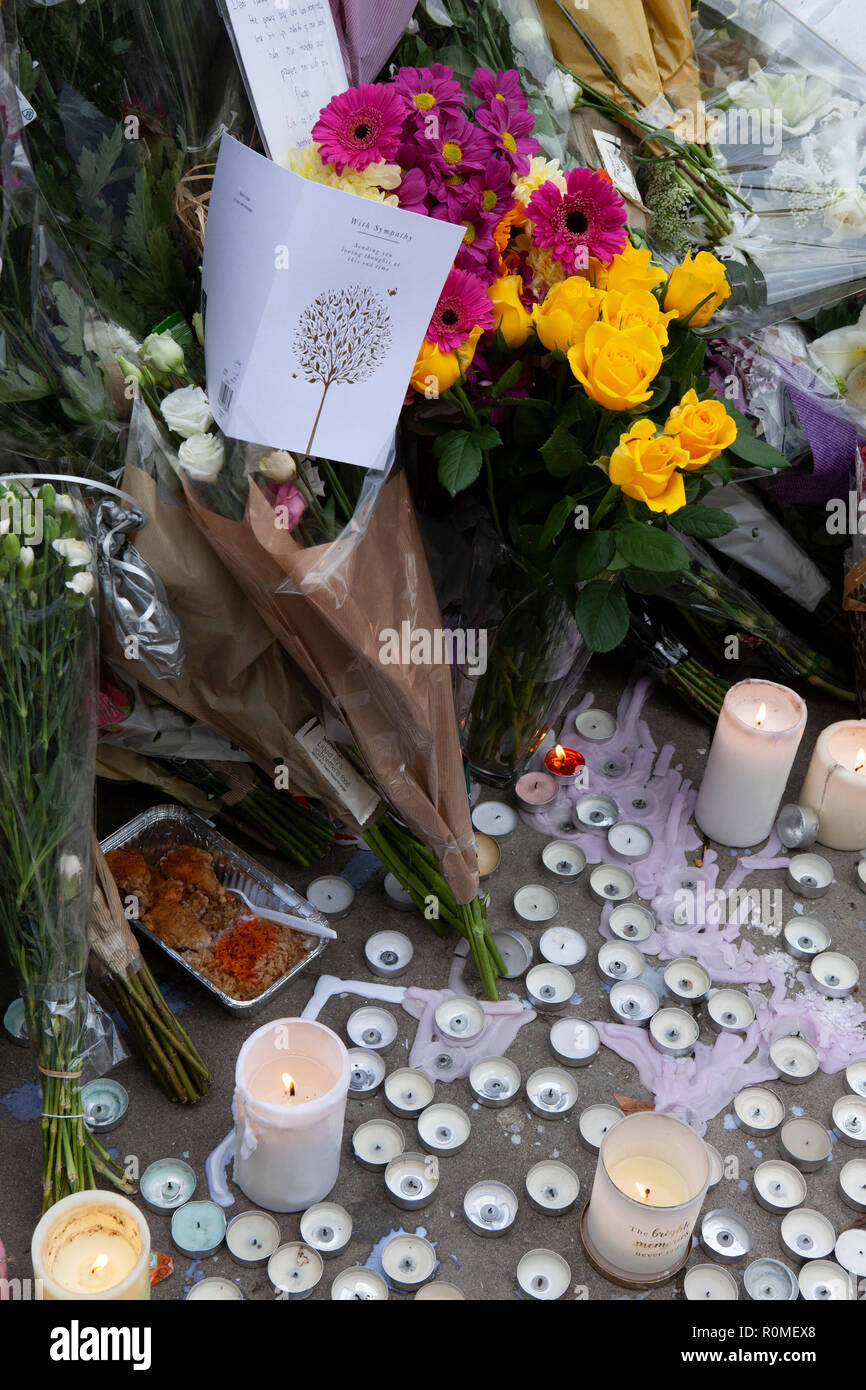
x,y
756,739
650,1183
835,785
291,1083
92,1245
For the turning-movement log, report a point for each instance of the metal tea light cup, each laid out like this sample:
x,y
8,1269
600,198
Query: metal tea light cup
x,y
805,1143
327,1228
489,1208
366,1072
252,1237
375,1143
543,1275
725,1235
574,1042
494,1082
770,1281
596,811
407,1091
805,937
411,1180
295,1270
408,1262
549,987
551,1092
104,1103
673,1032
631,922
552,1188
372,1028
778,1186
807,1234
460,1019
809,875
443,1128
611,883
388,954
166,1184
849,1120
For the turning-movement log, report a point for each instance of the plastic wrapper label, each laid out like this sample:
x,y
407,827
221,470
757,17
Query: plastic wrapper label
x,y
357,796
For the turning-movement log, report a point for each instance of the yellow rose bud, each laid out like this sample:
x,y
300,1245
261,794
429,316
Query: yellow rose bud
x,y
704,429
437,371
691,282
637,309
568,310
513,320
615,366
645,466
629,270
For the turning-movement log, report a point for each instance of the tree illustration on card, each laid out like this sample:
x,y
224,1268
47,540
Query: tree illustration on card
x,y
341,338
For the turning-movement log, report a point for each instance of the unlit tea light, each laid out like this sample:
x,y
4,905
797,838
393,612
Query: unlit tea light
x,y
630,840
726,1235
397,895
489,855
494,818
852,1184
631,922
769,1281
326,1228
562,946
104,1103
855,1075
359,1285
595,725
758,1110
778,1186
574,1042
198,1229
594,1122
549,987
794,1058
411,1180
535,903
372,1028
494,1082
617,960
252,1237
834,975
166,1184
535,791
408,1261
388,953
686,981
709,1284
376,1142
489,1208
295,1269
439,1291
673,1032
809,875
551,1092
332,896
633,1002
730,1011
459,1019
807,1234
366,1072
544,1275
552,1187
609,883
805,937
597,811
562,859
407,1091
823,1281
805,1143
443,1128
515,950
214,1290
849,1118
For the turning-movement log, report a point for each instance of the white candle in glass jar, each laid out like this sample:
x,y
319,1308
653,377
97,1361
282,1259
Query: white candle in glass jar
x,y
92,1245
756,739
650,1182
291,1083
835,785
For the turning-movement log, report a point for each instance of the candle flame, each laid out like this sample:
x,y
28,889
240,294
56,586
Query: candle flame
x,y
860,764
761,716
559,751
642,1192
288,1084
99,1263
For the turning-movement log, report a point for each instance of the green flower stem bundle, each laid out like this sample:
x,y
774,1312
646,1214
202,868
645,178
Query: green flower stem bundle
x,y
47,741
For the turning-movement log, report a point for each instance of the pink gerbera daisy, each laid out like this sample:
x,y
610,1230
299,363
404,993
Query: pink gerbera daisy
x,y
588,219
477,247
498,86
493,187
463,305
429,89
455,146
510,128
360,127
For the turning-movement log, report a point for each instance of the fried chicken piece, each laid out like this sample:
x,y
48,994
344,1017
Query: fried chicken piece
x,y
177,926
194,868
132,874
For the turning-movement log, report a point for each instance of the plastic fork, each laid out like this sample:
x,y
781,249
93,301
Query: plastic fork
x,y
285,919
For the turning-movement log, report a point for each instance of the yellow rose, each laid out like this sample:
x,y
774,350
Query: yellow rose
x,y
616,366
637,309
704,428
437,371
691,282
514,322
645,467
629,270
568,310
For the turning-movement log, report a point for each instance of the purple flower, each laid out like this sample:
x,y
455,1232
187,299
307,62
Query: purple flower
x,y
498,86
427,90
493,187
511,130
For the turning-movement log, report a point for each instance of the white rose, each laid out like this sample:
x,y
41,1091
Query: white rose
x,y
845,216
202,456
75,553
527,35
81,584
561,86
187,411
162,353
841,350
278,465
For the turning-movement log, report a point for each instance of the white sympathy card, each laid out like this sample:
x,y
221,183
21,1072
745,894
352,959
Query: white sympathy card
x,y
316,304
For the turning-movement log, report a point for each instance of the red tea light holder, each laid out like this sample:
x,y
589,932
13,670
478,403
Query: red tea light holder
x,y
564,764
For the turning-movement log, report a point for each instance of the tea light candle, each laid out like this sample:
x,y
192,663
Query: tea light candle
x,y
549,987
709,1284
850,1252
562,859
407,1091
397,895
552,1187
252,1237
805,937
551,1092
616,960
439,1290
770,1281
631,1001
332,896
809,875
291,1083
631,922
686,981
834,975
823,1281
443,1128
376,1142
594,1122
295,1269
574,1042
849,1118
852,1184
495,818
489,1208
104,1104
595,725
794,1058
755,741
459,1019
609,883
673,1032
725,1235
92,1246
758,1110
166,1184
778,1186
730,1011
15,1023
807,1234
534,903
535,791
366,1072
562,946
596,811
717,1167
563,763
494,1082
544,1275
515,950
388,954
408,1262
489,855
855,1076
411,1180
372,1028
797,826
805,1143
835,785
630,840
214,1290
614,767
327,1228
198,1229
359,1285
650,1182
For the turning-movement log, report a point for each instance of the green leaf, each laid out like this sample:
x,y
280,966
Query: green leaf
x,y
507,380
594,555
561,454
650,548
722,467
486,437
702,522
757,452
556,519
643,582
460,460
602,615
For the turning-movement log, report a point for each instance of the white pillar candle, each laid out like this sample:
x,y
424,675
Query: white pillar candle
x,y
835,785
291,1083
650,1183
757,735
94,1246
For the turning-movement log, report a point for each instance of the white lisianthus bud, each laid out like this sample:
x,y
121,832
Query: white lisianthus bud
x,y
161,353
201,457
26,557
187,411
81,584
75,553
63,503
279,466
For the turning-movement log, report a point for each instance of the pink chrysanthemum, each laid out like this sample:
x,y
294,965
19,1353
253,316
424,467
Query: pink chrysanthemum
x,y
498,86
588,219
510,128
493,187
360,127
454,146
463,305
429,89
